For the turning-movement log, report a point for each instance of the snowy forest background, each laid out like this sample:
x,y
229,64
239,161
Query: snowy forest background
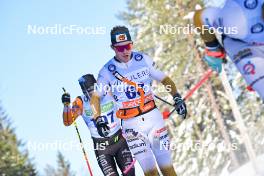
x,y
212,140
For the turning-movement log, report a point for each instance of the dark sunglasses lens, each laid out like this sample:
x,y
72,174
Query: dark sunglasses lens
x,y
122,48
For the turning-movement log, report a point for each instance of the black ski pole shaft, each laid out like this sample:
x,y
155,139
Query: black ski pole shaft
x,y
161,99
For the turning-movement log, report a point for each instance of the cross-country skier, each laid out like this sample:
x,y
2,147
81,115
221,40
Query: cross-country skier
x,y
142,122
108,149
241,24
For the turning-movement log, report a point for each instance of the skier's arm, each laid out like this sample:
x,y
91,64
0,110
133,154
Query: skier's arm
x,y
165,80
101,125
169,85
160,76
95,105
180,105
98,93
209,38
70,114
214,52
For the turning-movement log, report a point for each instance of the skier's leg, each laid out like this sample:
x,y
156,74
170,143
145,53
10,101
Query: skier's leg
x,y
134,131
107,164
249,60
160,143
152,172
105,160
124,158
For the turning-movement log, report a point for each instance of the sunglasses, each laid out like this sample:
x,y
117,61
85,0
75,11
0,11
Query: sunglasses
x,y
123,47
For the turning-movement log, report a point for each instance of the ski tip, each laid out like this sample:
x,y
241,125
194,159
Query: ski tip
x,y
63,89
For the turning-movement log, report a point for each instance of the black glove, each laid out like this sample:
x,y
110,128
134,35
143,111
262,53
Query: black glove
x,y
102,127
180,105
66,98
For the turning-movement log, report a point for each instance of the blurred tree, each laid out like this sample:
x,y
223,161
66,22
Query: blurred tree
x,y
63,168
13,161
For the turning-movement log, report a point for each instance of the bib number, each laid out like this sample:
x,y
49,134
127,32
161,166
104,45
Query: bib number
x,y
108,118
131,92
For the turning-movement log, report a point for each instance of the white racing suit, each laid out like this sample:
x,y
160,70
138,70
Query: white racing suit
x,y
242,25
145,133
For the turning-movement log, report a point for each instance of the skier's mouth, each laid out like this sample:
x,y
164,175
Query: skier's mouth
x,y
126,56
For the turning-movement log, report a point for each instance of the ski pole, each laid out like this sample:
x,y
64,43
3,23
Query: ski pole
x,y
199,84
161,99
196,87
80,139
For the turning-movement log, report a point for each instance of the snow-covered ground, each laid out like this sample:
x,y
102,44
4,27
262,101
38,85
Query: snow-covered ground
x,y
246,169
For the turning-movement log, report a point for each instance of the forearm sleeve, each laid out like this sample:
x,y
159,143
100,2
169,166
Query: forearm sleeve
x,y
209,38
169,85
95,105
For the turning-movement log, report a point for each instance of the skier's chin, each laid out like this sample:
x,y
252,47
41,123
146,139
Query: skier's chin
x,y
125,58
